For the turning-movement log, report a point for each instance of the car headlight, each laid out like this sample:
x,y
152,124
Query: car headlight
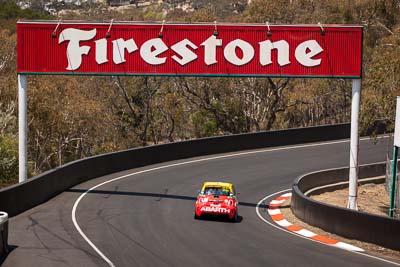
x,y
202,201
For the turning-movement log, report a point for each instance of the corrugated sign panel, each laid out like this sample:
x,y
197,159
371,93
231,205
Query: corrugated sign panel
x,y
189,49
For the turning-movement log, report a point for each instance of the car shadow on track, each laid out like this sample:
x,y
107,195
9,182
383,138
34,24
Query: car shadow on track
x,y
220,219
157,196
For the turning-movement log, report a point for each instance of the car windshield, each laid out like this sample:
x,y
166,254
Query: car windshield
x,y
216,191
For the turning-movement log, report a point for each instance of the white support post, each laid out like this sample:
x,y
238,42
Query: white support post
x,y
354,141
23,127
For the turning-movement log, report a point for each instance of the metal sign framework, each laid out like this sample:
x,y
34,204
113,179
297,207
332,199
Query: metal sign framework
x,y
203,49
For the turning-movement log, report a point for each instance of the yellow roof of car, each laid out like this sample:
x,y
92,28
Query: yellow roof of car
x,y
217,184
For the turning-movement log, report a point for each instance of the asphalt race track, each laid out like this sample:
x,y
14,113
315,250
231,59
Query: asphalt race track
x,y
146,219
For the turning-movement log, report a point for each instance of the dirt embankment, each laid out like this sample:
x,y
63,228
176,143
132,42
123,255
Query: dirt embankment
x,y
372,198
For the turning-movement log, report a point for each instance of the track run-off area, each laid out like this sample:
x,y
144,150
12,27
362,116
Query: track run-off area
x,y
144,216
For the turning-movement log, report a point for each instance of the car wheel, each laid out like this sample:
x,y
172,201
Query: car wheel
x,y
235,218
196,217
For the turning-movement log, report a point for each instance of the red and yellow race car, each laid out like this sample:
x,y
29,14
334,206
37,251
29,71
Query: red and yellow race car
x,y
217,198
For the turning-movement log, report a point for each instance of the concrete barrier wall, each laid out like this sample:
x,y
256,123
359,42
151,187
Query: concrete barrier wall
x,y
20,197
3,235
380,230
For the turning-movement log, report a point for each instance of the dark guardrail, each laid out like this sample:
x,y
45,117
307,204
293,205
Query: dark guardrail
x,y
380,230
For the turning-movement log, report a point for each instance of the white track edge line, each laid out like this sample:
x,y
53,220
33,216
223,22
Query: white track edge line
x,y
312,240
109,262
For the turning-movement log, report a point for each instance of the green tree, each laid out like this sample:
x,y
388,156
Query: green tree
x,y
383,83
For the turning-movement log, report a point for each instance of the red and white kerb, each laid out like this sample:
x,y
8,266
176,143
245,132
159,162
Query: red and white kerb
x,y
276,215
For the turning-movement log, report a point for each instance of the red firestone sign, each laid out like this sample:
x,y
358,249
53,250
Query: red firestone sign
x,y
127,48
